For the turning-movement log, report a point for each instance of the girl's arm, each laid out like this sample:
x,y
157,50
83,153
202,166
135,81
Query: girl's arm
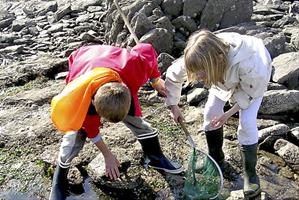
x,y
218,122
175,76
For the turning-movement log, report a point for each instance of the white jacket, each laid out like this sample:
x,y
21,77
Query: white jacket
x,y
246,78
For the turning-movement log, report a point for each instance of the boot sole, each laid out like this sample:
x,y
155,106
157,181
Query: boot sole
x,y
255,194
176,171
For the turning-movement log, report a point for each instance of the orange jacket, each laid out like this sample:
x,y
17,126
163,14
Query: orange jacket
x,y
69,108
135,67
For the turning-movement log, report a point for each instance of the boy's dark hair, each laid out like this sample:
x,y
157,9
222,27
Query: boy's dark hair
x,y
112,101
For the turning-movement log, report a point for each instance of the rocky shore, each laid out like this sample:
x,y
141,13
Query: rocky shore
x,y
36,37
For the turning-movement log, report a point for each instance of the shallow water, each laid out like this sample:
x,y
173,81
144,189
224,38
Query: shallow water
x,y
13,195
88,194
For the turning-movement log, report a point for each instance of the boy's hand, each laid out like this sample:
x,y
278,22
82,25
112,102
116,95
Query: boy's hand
x,y
111,162
159,85
112,165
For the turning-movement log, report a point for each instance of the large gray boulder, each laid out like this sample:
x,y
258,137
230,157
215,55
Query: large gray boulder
x,y
289,152
280,101
286,69
224,13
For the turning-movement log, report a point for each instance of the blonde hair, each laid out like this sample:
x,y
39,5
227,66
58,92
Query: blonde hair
x,y
205,52
112,101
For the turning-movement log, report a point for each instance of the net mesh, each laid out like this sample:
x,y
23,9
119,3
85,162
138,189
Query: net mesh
x,y
203,180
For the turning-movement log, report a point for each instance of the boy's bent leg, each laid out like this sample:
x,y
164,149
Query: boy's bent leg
x,y
59,189
71,145
148,138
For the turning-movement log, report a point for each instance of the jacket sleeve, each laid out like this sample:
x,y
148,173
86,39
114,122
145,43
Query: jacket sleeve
x,y
91,125
175,76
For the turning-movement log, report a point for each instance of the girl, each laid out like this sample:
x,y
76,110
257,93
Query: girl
x,y
236,68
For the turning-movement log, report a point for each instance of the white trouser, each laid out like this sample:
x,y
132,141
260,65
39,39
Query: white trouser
x,y
247,129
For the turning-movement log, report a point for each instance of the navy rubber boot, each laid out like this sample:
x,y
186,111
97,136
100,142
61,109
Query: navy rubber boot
x,y
59,189
155,158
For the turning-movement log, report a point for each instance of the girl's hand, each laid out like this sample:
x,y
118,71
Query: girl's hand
x,y
111,164
159,85
176,113
217,122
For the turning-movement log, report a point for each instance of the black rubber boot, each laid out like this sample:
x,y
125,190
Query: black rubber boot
x,y
59,184
215,143
155,158
251,180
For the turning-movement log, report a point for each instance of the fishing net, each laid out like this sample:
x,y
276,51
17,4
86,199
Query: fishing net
x,y
204,179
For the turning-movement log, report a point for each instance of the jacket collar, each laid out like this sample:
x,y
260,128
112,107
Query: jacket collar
x,y
239,47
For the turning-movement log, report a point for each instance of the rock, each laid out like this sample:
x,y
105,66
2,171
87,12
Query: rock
x,y
289,152
185,24
141,24
18,25
96,167
276,86
6,19
78,5
61,12
84,18
196,95
276,130
222,14
236,195
13,49
172,7
193,8
294,7
129,181
55,28
286,70
276,44
164,22
285,20
295,40
88,36
160,38
279,101
48,7
164,61
74,176
295,132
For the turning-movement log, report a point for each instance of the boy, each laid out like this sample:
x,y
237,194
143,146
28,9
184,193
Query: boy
x,y
103,81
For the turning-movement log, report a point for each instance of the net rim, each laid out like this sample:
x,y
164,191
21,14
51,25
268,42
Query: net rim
x,y
219,170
